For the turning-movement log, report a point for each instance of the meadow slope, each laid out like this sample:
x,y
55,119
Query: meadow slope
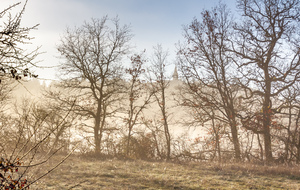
x,y
81,173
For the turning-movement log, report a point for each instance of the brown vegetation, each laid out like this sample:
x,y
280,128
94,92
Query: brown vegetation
x,y
81,172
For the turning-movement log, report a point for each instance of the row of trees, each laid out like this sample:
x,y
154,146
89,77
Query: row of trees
x,y
241,78
245,74
102,87
240,83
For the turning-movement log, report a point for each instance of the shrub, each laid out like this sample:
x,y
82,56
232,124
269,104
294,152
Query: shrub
x,y
10,177
141,147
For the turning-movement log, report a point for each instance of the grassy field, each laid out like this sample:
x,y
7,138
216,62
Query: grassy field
x,y
81,173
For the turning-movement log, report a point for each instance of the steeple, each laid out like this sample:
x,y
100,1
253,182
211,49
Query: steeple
x,y
175,74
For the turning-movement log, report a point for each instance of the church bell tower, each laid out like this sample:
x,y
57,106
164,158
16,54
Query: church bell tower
x,y
175,74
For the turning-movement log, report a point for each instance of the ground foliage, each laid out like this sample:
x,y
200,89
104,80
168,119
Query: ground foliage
x,y
10,178
92,173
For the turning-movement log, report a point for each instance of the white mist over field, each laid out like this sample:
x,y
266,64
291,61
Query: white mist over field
x,y
33,89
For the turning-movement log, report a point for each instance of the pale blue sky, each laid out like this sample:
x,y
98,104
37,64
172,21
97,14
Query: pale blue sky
x,y
152,21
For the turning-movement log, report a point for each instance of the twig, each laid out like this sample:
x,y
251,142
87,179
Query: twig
x,y
49,171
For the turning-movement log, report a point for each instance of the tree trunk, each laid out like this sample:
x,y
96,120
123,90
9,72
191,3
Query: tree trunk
x,y
97,136
268,150
288,140
261,147
235,139
216,132
231,115
168,139
233,127
267,120
298,148
128,140
166,126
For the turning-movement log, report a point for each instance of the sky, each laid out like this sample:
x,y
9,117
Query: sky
x,y
152,22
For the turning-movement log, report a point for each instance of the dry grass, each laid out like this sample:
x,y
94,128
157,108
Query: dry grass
x,y
80,173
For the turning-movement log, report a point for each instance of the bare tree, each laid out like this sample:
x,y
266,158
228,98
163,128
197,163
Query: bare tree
x,y
203,113
93,55
285,127
38,119
208,70
18,154
159,84
139,95
266,47
15,61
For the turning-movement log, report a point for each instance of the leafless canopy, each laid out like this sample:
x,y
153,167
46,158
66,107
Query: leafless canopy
x,y
14,60
93,55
